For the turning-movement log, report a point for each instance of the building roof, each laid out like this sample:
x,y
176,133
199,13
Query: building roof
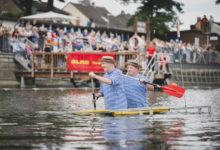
x,y
123,19
217,23
38,7
93,12
101,16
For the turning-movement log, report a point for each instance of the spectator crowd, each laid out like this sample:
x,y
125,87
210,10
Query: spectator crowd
x,y
26,39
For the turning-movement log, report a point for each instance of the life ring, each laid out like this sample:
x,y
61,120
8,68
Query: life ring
x,y
135,42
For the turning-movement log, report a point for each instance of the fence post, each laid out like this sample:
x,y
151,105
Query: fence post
x,y
22,82
51,66
32,73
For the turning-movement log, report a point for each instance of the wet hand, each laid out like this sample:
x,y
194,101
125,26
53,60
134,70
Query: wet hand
x,y
94,100
143,81
92,74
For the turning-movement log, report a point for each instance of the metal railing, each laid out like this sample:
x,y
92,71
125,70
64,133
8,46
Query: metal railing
x,y
5,46
196,77
57,62
156,60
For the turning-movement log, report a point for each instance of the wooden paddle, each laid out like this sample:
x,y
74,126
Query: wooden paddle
x,y
172,90
93,93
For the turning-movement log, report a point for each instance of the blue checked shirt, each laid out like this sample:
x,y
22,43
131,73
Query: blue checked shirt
x,y
136,92
114,94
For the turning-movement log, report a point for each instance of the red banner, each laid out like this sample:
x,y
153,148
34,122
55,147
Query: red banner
x,y
85,62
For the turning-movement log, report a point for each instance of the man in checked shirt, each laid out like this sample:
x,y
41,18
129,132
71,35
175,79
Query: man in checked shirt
x,y
112,85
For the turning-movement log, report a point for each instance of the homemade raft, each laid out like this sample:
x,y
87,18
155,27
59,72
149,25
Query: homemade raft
x,y
147,111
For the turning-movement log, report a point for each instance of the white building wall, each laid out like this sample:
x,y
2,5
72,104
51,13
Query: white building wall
x,y
70,8
9,23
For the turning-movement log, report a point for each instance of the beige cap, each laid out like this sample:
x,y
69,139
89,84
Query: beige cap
x,y
109,59
133,63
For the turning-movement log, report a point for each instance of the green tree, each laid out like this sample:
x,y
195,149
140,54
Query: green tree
x,y
28,6
162,14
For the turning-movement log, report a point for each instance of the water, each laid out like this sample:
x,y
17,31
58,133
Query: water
x,y
45,119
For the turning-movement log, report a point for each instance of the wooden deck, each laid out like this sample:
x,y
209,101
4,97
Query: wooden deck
x,y
46,74
54,65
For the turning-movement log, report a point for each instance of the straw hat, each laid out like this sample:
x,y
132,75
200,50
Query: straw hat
x,y
109,59
133,63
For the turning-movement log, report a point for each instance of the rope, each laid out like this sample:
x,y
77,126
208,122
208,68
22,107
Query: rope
x,y
181,70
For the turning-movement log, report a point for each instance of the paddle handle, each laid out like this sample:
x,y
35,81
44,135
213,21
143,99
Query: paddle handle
x,y
155,85
93,93
169,90
145,82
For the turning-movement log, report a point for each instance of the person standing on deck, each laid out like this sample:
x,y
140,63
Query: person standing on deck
x,y
135,90
151,52
112,85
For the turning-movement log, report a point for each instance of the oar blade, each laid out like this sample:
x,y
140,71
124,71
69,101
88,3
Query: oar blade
x,y
173,90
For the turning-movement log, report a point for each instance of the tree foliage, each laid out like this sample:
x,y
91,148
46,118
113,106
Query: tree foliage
x,y
161,14
28,5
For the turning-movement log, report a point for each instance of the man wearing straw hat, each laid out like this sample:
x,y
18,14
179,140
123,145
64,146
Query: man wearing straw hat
x,y
112,85
135,90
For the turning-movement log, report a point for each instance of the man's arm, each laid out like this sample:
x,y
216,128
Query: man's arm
x,y
100,78
98,95
147,54
149,86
